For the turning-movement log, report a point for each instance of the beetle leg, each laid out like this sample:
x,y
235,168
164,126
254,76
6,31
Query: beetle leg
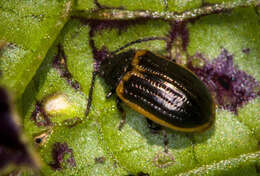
x,y
90,94
122,111
154,127
165,141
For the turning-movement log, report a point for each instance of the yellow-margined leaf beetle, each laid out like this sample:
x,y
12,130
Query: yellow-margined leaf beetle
x,y
161,90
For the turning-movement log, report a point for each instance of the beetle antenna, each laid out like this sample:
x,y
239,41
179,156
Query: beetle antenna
x,y
137,41
90,94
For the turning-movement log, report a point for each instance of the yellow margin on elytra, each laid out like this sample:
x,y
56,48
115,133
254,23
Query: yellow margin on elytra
x,y
120,90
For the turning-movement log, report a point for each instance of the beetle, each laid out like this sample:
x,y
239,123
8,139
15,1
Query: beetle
x,y
163,91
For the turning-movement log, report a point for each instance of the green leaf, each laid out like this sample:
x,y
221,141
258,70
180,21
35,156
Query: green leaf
x,y
29,28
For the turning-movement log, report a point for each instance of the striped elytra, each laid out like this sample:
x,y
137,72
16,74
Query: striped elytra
x,y
163,91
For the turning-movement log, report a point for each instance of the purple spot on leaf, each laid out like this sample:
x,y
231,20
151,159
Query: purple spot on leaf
x,y
246,50
39,116
232,87
179,29
59,152
100,56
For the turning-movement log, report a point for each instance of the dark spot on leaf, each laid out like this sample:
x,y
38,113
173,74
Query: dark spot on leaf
x,y
246,50
39,116
12,149
59,152
60,63
232,87
100,56
100,160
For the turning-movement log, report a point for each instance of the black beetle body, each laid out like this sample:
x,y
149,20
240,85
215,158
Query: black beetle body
x,y
161,90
